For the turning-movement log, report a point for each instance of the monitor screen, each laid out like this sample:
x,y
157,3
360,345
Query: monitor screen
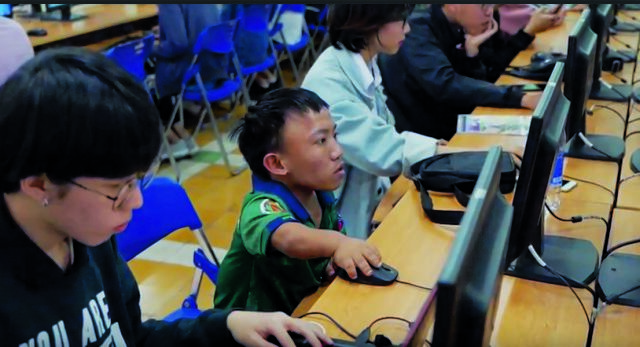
x,y
470,281
579,72
5,10
601,17
528,200
55,7
574,258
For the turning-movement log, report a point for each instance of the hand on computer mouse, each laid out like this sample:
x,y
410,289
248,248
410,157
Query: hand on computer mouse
x,y
354,253
255,328
530,100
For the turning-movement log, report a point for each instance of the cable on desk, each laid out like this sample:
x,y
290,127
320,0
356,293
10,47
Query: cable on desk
x,y
629,177
614,38
565,281
589,182
609,301
620,245
589,144
576,219
414,285
606,107
315,313
631,133
389,318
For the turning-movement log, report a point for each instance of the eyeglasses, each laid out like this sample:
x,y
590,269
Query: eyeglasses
x,y
124,193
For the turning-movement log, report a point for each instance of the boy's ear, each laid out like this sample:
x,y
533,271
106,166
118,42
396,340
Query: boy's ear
x,y
35,187
273,163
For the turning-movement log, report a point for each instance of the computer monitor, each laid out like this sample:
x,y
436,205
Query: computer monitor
x,y
577,88
601,17
624,26
55,12
470,281
575,258
419,331
6,10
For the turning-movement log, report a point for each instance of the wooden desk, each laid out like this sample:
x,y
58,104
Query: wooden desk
x,y
618,325
545,313
103,21
603,173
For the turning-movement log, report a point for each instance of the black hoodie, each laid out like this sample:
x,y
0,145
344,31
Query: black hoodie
x,y
431,80
95,302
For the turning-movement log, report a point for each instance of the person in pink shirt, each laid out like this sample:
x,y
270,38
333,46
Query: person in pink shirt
x,y
16,47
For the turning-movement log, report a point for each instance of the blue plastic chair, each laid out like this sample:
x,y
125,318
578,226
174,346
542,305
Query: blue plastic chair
x,y
167,208
216,39
291,47
319,30
254,20
131,55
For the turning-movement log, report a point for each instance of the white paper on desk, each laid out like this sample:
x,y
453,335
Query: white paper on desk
x,y
485,124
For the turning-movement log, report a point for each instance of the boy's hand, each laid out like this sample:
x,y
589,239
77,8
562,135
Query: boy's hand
x,y
472,42
353,253
253,328
530,100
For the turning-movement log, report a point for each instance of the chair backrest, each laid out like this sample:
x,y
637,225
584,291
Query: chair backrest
x,y
217,38
166,208
132,55
256,17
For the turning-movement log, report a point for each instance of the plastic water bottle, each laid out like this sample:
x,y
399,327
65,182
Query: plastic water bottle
x,y
555,184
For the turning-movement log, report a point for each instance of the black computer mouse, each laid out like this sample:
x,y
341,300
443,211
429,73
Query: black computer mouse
x,y
37,32
547,56
382,276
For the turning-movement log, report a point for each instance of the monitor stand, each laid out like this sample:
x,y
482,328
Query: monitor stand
x,y
620,272
61,15
621,26
612,145
635,161
574,258
626,55
610,92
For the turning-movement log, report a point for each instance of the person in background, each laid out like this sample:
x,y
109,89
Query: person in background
x,y
514,17
448,65
179,26
252,37
289,236
16,47
84,141
347,77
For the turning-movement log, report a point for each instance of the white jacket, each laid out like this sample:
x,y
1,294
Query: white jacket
x,y
373,149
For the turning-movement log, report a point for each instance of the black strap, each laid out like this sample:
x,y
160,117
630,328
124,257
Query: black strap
x,y
462,192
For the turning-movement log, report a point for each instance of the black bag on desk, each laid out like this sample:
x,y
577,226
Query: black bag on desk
x,y
456,173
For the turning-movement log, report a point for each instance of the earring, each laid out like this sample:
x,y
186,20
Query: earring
x,y
45,202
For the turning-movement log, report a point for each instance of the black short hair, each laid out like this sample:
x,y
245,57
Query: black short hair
x,y
69,112
260,130
352,24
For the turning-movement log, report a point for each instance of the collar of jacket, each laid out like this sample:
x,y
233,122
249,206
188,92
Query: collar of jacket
x,y
282,191
453,33
352,71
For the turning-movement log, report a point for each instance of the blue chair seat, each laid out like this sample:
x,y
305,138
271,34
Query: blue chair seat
x,y
294,47
248,70
192,92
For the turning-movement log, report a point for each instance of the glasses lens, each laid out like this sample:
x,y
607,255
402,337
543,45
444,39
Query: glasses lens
x,y
125,193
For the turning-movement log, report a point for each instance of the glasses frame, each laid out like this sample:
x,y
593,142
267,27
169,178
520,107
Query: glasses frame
x,y
141,181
